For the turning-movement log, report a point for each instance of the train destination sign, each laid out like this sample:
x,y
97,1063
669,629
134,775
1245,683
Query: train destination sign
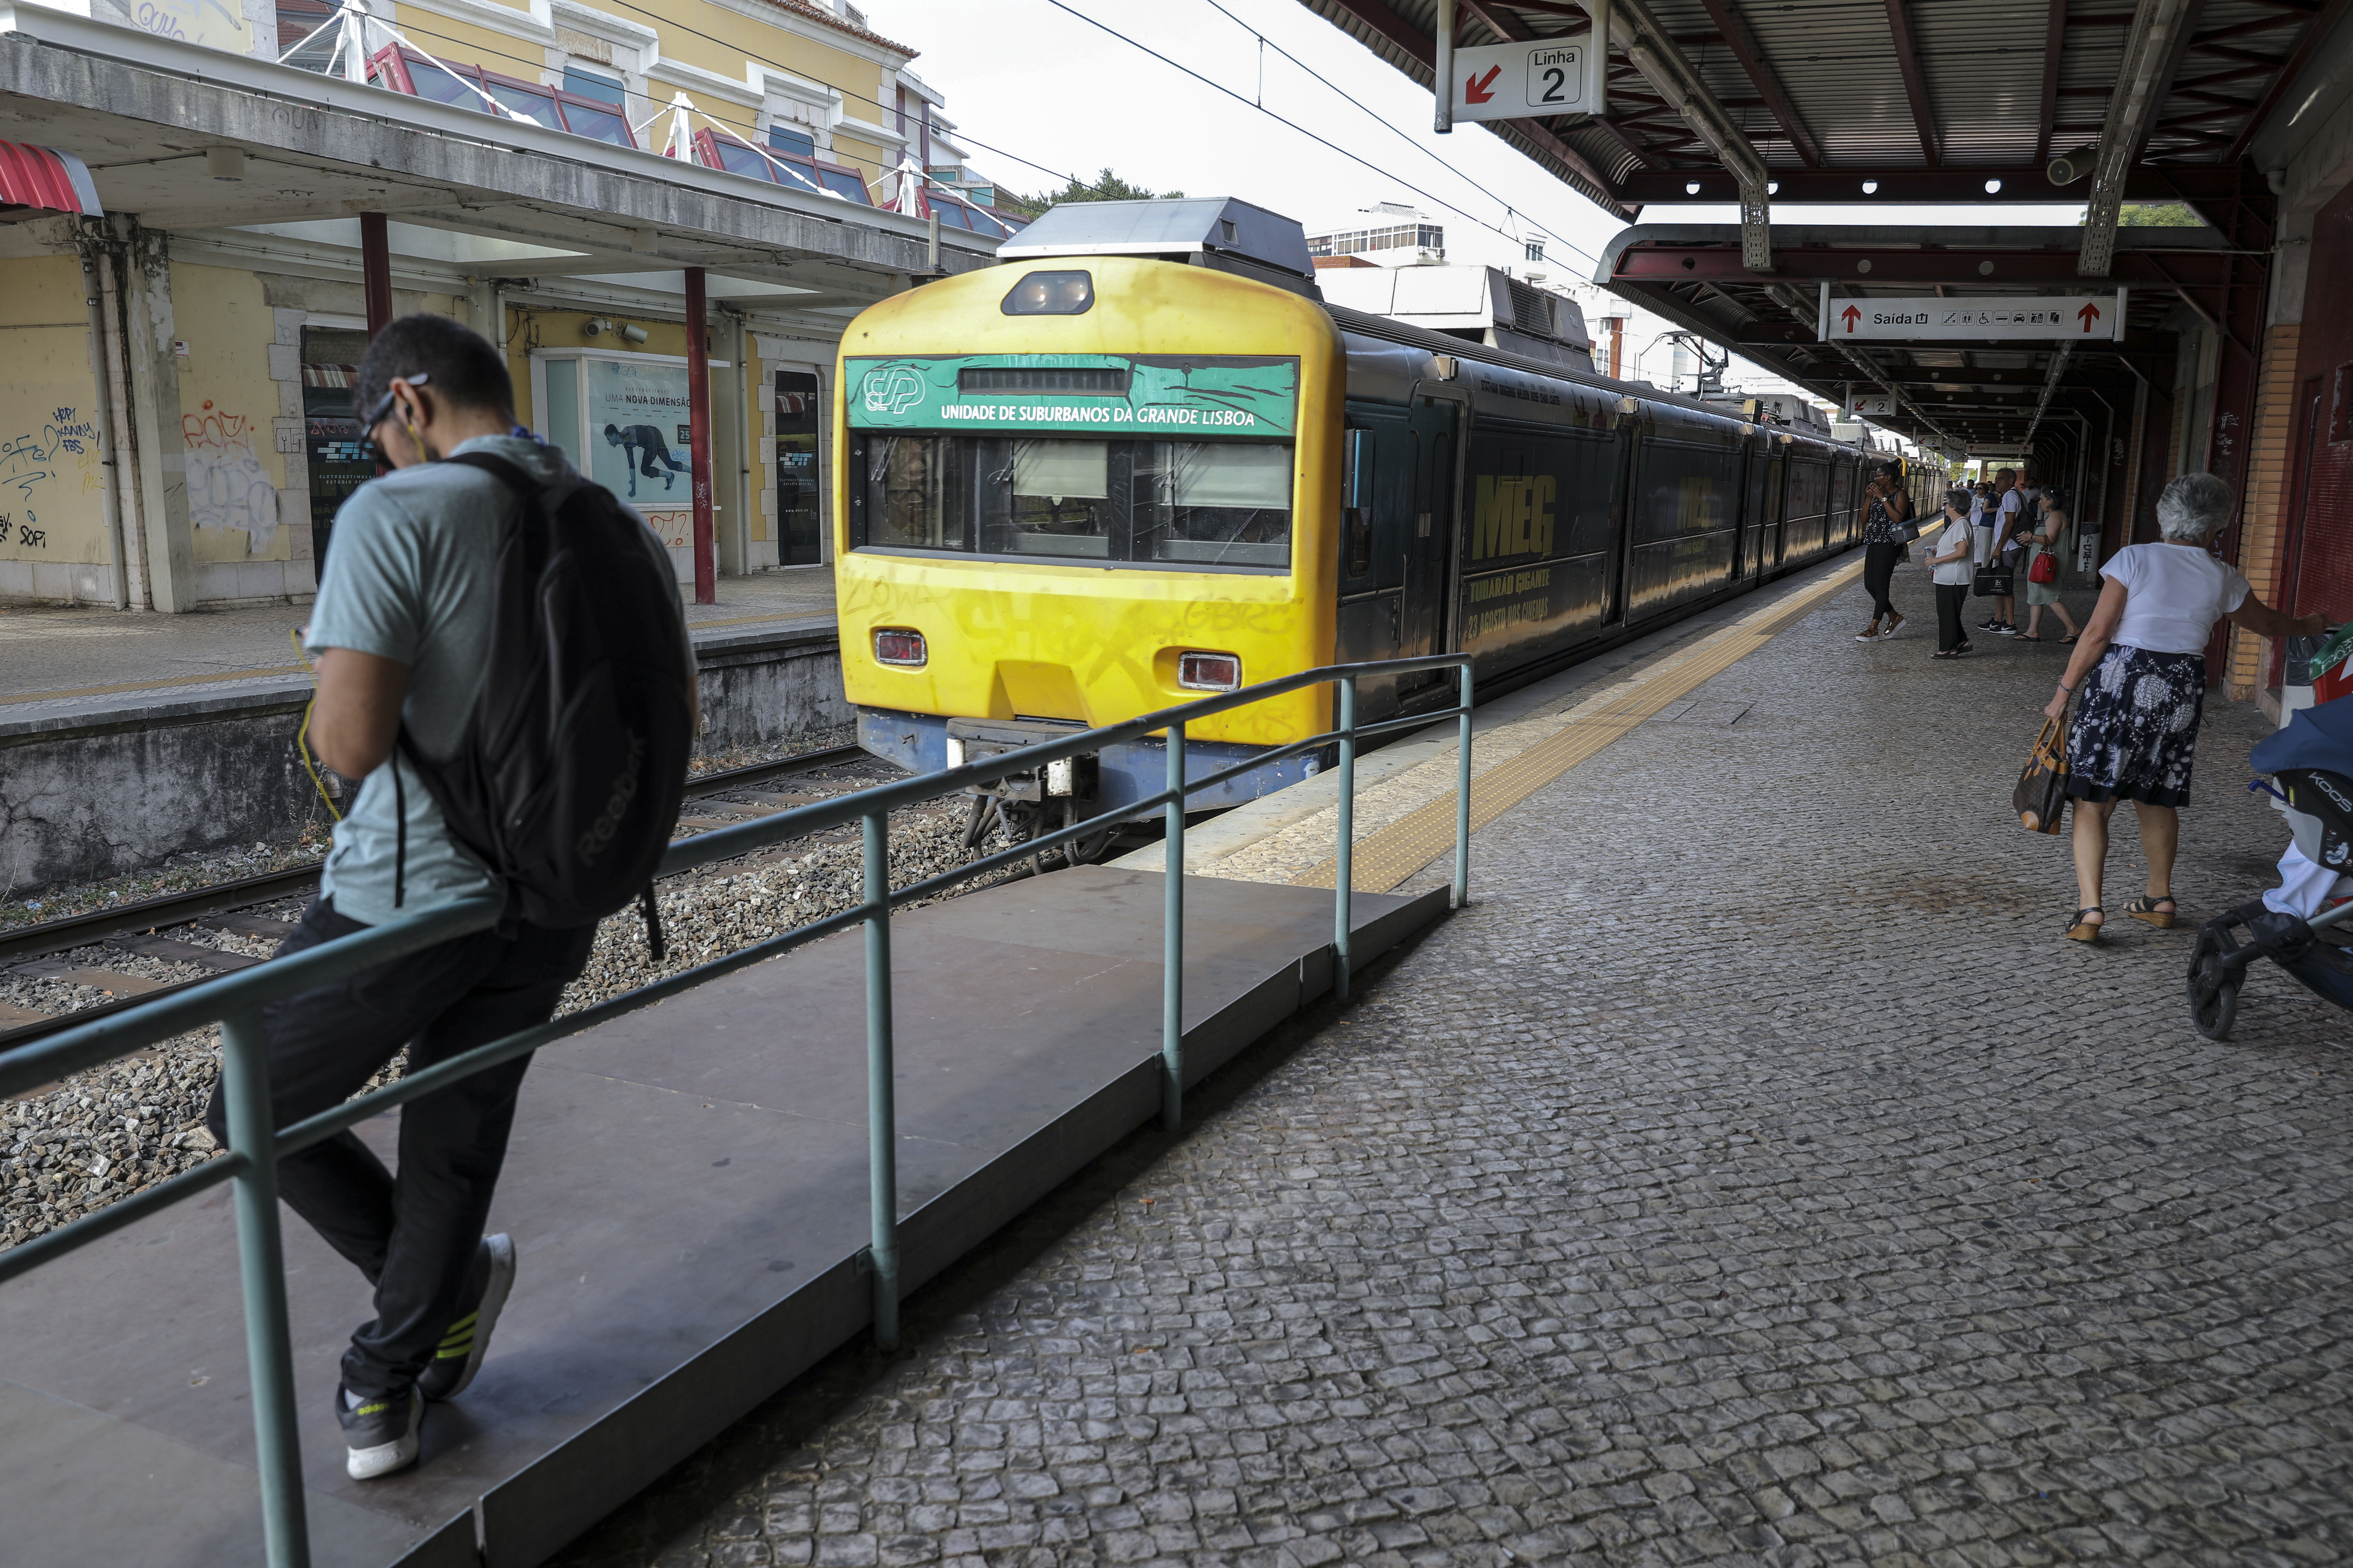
x,y
2045,319
1191,398
1511,81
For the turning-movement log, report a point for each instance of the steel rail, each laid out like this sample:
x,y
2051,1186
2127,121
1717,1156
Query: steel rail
x,y
256,1148
268,886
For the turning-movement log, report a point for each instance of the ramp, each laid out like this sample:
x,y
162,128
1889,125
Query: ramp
x,y
687,1187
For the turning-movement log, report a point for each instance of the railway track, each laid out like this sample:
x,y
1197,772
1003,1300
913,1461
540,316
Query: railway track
x,y
141,928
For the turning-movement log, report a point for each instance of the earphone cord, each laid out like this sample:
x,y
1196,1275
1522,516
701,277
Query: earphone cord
x,y
302,736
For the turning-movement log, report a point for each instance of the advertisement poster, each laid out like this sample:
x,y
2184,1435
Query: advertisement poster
x,y
638,440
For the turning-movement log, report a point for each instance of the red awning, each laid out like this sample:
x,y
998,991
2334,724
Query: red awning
x,y
45,180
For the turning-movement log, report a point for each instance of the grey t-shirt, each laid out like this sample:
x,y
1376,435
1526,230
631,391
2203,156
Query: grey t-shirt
x,y
409,578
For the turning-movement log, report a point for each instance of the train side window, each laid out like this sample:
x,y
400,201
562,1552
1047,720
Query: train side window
x,y
1356,501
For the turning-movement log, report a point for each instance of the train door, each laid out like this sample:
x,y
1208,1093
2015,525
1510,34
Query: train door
x,y
1396,527
1748,559
1429,547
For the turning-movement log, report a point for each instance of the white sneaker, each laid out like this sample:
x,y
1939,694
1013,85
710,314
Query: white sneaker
x,y
380,1435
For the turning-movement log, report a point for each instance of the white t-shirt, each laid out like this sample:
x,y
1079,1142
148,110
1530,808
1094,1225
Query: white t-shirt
x,y
2173,596
1957,536
2011,504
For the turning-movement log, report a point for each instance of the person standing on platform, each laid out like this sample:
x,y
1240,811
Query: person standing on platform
x,y
2007,507
402,630
1981,518
2141,668
1952,564
1882,546
2043,537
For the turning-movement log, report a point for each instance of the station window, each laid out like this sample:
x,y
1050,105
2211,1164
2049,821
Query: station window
x,y
1146,503
600,89
723,149
406,70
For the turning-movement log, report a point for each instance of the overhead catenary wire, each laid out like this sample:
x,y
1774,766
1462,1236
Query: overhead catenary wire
x,y
1431,197
1266,43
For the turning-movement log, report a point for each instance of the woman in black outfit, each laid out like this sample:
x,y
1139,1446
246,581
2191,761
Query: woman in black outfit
x,y
1882,546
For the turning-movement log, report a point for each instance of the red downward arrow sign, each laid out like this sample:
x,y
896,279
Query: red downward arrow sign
x,y
1850,315
2089,314
1474,88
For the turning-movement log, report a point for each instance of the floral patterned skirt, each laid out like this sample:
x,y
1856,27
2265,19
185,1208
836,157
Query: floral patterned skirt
x,y
2135,731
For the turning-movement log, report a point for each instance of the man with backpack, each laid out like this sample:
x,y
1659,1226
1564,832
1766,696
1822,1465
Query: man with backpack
x,y
480,587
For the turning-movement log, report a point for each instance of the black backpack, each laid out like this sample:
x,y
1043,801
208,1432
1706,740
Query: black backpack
x,y
567,780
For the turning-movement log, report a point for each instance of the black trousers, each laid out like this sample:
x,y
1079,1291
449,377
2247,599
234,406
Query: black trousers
x,y
1878,570
1952,598
413,1236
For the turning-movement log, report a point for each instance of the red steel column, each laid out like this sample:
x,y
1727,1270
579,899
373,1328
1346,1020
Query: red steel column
x,y
376,271
698,403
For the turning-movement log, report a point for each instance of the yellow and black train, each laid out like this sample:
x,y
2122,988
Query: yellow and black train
x,y
1141,460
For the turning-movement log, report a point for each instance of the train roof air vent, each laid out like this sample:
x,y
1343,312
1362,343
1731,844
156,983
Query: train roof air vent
x,y
1207,230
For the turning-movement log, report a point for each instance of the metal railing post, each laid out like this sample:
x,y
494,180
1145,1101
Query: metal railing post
x,y
1462,801
882,1096
1347,870
261,1260
1172,945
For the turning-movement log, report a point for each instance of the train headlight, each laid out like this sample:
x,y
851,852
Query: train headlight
x,y
1051,294
898,647
1208,671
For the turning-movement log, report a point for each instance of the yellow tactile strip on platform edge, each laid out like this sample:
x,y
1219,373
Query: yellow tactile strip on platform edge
x,y
1385,860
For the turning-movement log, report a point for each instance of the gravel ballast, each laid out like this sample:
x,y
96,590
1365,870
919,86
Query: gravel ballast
x,y
100,1135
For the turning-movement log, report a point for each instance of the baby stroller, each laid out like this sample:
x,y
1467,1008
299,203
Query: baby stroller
x,y
2311,762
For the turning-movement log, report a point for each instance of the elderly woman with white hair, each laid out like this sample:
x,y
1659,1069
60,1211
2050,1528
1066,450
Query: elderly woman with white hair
x,y
2140,668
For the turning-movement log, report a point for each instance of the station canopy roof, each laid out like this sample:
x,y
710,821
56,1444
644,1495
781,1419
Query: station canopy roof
x,y
1883,102
1929,102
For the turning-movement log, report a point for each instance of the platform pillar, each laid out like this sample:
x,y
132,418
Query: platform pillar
x,y
698,404
375,271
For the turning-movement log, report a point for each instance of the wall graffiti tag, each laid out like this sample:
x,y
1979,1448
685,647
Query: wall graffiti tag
x,y
227,486
65,447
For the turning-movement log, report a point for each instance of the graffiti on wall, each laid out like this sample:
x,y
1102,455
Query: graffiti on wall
x,y
41,468
207,22
227,486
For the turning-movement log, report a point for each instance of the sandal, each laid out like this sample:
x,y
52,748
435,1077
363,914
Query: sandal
x,y
2070,637
1893,625
2145,909
2028,637
1869,633
1950,653
2079,931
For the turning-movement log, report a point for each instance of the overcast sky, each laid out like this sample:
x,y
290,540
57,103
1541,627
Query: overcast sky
x,y
1028,79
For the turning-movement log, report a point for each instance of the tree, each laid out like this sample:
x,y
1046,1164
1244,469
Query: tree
x,y
1105,187
2156,215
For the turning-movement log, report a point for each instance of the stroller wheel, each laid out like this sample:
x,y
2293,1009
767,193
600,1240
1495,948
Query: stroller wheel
x,y
2214,990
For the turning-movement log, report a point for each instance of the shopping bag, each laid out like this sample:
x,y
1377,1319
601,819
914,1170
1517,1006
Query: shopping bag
x,y
2044,568
1994,580
2041,797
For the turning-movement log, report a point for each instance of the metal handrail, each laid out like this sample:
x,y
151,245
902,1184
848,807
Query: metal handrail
x,y
235,1000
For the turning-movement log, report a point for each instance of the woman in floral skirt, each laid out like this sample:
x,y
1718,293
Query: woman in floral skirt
x,y
2141,672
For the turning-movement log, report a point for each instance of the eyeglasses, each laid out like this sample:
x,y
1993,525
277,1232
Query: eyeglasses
x,y
383,409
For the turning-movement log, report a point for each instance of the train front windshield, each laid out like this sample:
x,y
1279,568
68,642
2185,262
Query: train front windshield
x,y
1149,503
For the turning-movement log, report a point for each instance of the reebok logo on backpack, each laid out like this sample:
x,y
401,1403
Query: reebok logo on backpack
x,y
567,780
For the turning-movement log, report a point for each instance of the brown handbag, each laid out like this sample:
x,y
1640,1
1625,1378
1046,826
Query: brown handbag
x,y
2041,797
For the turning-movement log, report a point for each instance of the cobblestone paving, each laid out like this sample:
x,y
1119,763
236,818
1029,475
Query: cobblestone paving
x,y
1752,1175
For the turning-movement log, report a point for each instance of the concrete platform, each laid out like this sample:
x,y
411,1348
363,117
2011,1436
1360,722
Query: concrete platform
x,y
57,654
688,1187
113,776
